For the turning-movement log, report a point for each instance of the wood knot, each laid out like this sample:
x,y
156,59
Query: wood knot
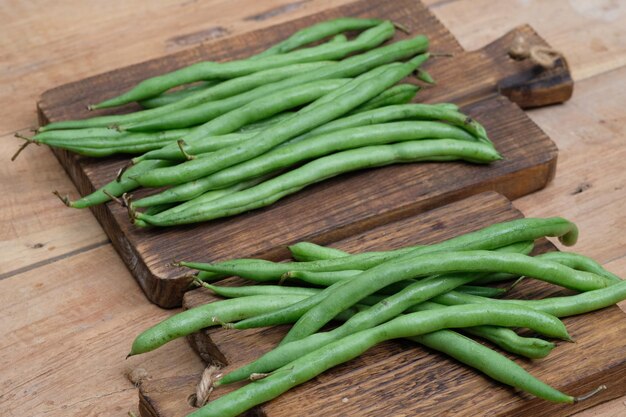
x,y
137,375
543,56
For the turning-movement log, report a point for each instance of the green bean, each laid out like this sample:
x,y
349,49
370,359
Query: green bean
x,y
487,292
319,31
115,188
316,278
308,251
326,167
349,67
310,271
395,304
423,75
208,196
200,133
218,142
387,309
451,343
207,315
112,141
386,98
202,214
210,102
205,276
68,134
207,111
314,147
406,325
250,290
579,262
170,97
100,152
159,208
406,112
470,261
128,141
214,194
507,339
557,306
490,237
287,314
276,134
329,278
265,123
213,70
448,106
130,144
396,95
340,38
491,363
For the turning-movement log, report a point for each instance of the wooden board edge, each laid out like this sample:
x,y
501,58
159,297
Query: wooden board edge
x,y
163,291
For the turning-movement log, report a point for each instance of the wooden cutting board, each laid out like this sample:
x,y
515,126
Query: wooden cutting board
x,y
350,203
398,378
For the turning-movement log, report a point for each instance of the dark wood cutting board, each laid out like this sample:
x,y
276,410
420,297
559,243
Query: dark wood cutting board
x,y
399,378
350,203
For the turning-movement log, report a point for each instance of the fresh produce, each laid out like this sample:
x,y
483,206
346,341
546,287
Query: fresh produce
x,y
302,150
233,136
203,71
412,293
488,238
320,169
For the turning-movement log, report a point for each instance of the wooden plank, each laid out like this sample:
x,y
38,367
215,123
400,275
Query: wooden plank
x,y
397,378
589,186
70,100
34,228
353,202
71,325
589,33
73,40
59,42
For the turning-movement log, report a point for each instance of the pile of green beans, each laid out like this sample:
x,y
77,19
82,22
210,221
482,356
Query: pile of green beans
x,y
417,293
240,135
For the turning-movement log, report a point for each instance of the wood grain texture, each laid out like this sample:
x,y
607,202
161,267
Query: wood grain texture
x,y
398,378
75,39
590,33
352,202
67,327
34,228
592,152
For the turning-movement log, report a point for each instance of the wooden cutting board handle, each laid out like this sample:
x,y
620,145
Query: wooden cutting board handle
x,y
492,71
532,85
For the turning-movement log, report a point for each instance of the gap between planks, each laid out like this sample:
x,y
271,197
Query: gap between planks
x,y
57,258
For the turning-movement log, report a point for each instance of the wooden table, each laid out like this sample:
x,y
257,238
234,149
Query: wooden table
x,y
70,308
